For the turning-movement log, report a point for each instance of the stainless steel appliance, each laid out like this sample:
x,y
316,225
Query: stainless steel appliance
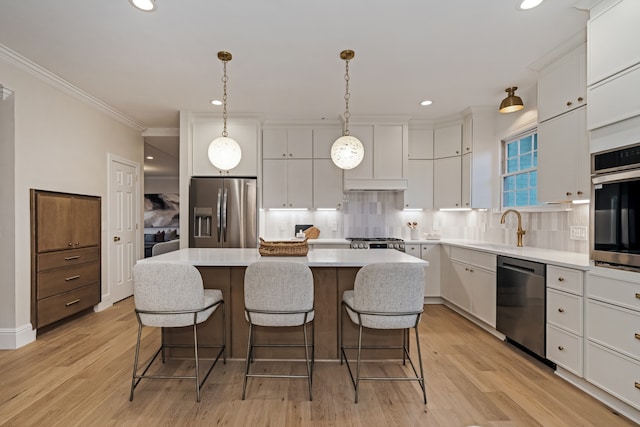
x,y
222,213
615,199
376,243
521,303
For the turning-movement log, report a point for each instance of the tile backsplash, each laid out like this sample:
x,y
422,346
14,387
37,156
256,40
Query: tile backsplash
x,y
380,214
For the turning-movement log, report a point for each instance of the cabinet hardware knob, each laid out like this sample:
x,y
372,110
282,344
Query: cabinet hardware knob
x,y
77,276
561,348
569,103
70,244
290,155
579,193
466,269
471,270
457,152
468,149
638,296
561,310
75,301
70,258
77,243
560,279
580,99
637,385
116,238
568,193
284,154
637,336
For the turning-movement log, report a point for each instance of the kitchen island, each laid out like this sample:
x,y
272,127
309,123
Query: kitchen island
x,y
334,271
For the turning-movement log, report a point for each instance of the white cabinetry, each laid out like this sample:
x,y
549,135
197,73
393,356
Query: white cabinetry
x,y
447,141
447,167
327,184
430,253
206,129
287,183
473,283
282,143
419,194
384,166
612,327
563,158
565,318
323,139
562,86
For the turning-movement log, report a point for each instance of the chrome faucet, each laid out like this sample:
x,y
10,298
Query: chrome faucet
x,y
520,231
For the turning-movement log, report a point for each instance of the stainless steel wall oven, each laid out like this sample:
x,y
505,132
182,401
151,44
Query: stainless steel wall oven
x,y
615,212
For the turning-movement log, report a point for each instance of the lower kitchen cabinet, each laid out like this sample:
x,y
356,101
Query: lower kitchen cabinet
x,y
430,253
565,318
612,319
473,283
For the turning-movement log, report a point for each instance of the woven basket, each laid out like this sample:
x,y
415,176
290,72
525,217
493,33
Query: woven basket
x,y
283,248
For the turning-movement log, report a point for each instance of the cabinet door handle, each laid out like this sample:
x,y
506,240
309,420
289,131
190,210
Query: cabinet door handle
x,y
561,348
569,103
560,279
72,278
75,301
580,99
70,258
561,310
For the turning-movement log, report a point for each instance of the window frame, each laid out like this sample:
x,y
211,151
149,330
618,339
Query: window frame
x,y
504,162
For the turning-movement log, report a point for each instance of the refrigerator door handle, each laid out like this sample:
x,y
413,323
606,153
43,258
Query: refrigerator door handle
x,y
219,215
224,216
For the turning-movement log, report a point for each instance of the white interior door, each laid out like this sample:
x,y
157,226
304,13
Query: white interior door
x,y
123,218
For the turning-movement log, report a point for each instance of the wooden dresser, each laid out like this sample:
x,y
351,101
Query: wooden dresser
x,y
65,255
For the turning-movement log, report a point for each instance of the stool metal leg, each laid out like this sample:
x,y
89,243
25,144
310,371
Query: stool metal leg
x,y
306,355
358,364
421,381
248,359
195,350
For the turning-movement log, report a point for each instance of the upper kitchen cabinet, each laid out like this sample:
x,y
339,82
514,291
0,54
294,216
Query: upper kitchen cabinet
x,y
280,143
447,141
447,167
384,166
323,139
205,129
563,158
614,74
327,185
420,144
562,86
287,183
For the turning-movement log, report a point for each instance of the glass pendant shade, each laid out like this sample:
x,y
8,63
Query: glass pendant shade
x,y
224,153
347,152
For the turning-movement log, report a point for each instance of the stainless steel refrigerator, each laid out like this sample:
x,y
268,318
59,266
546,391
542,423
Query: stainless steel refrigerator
x,y
222,213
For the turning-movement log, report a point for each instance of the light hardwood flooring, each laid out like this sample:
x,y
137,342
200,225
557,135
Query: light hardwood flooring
x,y
80,373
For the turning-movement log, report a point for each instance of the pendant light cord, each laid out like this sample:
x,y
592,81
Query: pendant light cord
x,y
347,95
224,98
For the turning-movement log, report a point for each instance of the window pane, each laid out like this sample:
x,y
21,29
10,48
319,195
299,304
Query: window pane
x,y
512,149
535,159
526,145
535,141
526,161
522,198
508,199
533,179
509,183
533,196
520,176
522,181
512,165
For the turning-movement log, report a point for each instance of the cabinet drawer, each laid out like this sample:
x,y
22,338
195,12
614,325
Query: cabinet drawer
x,y
616,287
60,306
59,259
565,279
65,279
564,349
614,373
565,311
477,258
614,327
611,101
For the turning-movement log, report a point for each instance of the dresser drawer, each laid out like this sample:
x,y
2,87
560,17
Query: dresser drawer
x,y
65,279
565,310
565,279
564,349
57,307
50,260
614,327
616,287
614,373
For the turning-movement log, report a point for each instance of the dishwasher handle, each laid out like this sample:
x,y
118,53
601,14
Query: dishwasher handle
x,y
521,265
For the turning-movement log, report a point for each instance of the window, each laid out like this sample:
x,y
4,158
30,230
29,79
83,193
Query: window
x,y
520,171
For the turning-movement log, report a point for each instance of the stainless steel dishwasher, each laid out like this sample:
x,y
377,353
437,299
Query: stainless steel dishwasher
x,y
521,303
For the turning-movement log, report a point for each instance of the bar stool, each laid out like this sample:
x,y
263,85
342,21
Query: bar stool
x,y
279,294
385,296
172,295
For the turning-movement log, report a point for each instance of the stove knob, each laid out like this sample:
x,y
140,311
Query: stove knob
x,y
401,246
365,246
360,245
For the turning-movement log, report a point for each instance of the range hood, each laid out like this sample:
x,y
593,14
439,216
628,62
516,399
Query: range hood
x,y
375,184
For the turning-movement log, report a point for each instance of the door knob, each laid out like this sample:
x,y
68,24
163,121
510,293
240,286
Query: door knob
x,y
116,239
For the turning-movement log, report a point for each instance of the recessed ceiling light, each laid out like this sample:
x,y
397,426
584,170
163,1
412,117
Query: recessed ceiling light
x,y
529,4
426,102
144,5
216,102
149,157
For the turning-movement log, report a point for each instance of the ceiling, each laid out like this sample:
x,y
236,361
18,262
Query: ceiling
x,y
286,64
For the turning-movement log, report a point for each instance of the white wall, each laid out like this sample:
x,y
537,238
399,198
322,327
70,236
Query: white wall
x,y
161,184
61,144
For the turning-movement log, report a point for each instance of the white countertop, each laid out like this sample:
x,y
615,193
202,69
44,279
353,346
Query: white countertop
x,y
231,257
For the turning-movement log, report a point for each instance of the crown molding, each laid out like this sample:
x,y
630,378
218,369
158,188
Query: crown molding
x,y
14,58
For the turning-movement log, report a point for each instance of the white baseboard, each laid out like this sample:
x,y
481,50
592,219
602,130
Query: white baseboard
x,y
103,305
10,339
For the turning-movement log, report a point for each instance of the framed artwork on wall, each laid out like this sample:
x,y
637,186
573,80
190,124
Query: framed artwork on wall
x,y
162,210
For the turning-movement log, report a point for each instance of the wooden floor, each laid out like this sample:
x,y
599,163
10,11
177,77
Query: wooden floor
x,y
79,374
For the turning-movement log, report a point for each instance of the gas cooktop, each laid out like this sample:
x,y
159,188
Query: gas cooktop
x,y
374,239
376,243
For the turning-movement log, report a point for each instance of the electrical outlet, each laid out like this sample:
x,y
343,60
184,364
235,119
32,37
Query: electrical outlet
x,y
578,233
436,224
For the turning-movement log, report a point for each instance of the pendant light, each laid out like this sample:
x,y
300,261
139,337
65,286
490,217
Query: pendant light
x,y
512,102
347,151
144,5
224,152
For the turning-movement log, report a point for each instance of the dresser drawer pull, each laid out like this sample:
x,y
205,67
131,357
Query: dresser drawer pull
x,y
72,278
75,301
561,348
560,279
637,336
70,258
